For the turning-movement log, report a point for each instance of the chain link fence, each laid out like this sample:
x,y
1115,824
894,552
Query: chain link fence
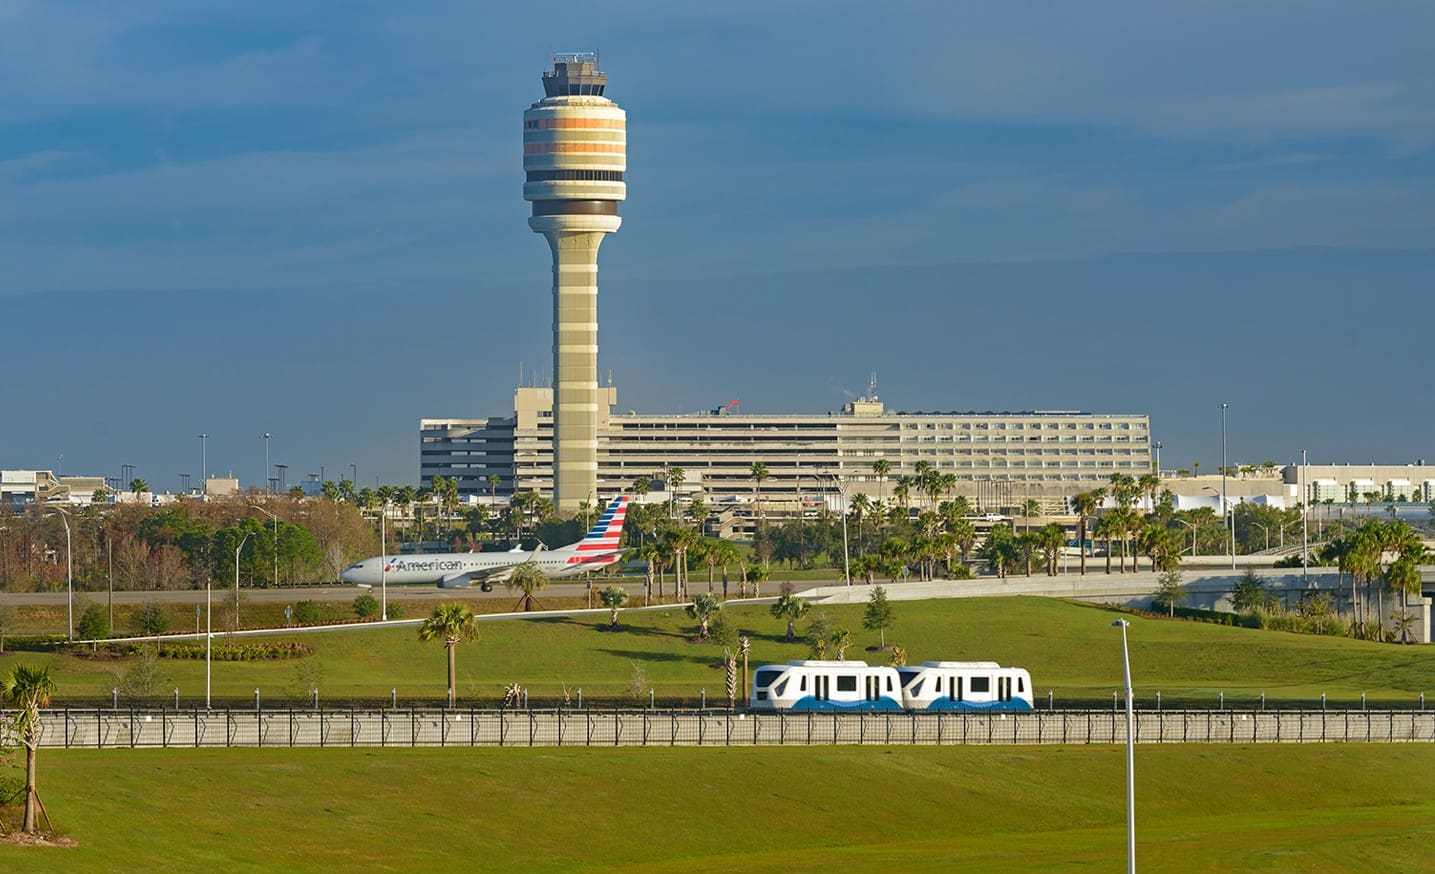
x,y
102,728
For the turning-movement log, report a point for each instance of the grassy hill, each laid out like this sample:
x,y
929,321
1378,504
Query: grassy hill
x,y
1326,808
1069,648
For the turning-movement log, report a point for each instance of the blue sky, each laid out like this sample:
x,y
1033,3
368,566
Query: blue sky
x,y
298,174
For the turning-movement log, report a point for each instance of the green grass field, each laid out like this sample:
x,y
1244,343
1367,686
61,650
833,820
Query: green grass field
x,y
1069,648
1311,809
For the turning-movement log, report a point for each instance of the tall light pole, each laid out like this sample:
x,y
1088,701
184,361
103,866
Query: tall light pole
x,y
384,562
265,478
203,461
279,471
1231,523
846,562
1157,447
276,544
355,469
1192,526
1130,755
69,576
209,627
1304,524
247,535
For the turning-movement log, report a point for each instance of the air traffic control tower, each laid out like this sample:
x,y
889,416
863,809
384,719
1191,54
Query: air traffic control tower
x,y
574,154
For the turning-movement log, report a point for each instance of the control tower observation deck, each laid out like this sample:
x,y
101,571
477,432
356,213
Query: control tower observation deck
x,y
574,155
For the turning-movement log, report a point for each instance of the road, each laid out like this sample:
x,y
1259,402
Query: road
x,y
341,593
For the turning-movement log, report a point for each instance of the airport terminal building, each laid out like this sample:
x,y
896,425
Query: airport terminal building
x,y
997,459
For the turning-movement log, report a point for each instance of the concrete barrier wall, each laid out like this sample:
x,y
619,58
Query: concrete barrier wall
x,y
121,729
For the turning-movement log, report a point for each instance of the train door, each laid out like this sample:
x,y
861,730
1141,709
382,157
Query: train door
x,y
874,688
1003,688
954,688
820,686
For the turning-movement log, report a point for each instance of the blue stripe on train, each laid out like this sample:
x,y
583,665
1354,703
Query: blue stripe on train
x,y
946,704
810,703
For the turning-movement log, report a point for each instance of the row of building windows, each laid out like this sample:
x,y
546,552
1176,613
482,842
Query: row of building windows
x,y
575,175
575,123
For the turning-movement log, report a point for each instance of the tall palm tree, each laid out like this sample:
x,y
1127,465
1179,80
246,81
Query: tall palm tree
x,y
1107,527
1150,483
723,554
529,579
493,481
453,624
676,477
28,690
1052,539
881,467
1085,504
757,473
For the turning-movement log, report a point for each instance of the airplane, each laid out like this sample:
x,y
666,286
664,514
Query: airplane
x,y
457,570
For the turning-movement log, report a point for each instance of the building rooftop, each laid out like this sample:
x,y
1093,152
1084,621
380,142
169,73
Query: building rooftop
x,y
574,73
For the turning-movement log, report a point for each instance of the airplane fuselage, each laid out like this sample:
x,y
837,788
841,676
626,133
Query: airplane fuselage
x,y
432,569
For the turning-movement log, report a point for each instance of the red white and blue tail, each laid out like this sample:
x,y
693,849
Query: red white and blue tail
x,y
604,540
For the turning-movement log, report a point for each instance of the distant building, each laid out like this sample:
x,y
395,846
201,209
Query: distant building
x,y
997,459
1351,483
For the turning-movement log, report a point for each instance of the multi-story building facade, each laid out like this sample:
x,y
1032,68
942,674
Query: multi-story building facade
x,y
996,459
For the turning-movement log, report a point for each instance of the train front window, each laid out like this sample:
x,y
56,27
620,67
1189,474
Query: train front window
x,y
764,678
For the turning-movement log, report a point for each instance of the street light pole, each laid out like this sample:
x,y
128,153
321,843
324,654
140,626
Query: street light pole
x,y
203,461
69,576
1304,524
846,561
247,535
1130,754
209,627
266,459
276,543
1192,526
1225,508
384,562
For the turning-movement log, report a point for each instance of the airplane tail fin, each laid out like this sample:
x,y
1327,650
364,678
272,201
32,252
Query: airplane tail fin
x,y
605,538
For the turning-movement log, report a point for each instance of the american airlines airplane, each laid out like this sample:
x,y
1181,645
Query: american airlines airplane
x,y
456,570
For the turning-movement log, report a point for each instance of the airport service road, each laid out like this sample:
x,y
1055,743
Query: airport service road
x,y
341,593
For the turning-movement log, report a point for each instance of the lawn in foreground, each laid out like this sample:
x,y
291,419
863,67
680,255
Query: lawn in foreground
x,y
1070,648
1200,808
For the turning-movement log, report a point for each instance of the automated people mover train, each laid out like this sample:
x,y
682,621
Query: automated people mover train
x,y
932,686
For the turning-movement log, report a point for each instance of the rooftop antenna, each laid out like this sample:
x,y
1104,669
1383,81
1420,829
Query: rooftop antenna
x,y
872,387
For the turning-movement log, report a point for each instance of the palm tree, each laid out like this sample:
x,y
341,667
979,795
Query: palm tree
x,y
641,486
28,690
453,624
1107,527
1052,538
881,467
1085,504
530,580
138,486
720,553
1149,483
676,476
858,507
757,473
703,608
613,597
964,534
493,481
791,608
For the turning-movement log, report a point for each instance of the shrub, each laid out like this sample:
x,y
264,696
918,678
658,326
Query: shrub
x,y
94,623
151,619
12,790
396,611
308,613
366,606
